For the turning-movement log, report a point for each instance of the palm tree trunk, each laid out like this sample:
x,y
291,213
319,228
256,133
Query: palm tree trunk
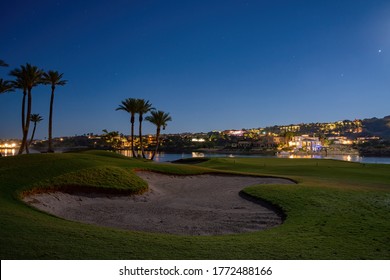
x,y
23,109
132,135
50,149
157,142
32,135
23,118
27,124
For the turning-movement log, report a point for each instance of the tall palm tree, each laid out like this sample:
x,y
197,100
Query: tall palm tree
x,y
52,78
2,63
5,86
159,119
130,105
143,107
28,76
35,118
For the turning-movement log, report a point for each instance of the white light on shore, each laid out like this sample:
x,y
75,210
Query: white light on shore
x,y
198,140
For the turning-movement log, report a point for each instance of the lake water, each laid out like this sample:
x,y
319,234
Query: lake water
x,y
164,157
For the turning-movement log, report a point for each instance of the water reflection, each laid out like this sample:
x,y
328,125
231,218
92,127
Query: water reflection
x,y
299,156
164,157
354,158
161,156
197,154
127,153
7,152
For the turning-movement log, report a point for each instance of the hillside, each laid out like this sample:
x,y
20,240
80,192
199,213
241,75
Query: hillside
x,y
377,127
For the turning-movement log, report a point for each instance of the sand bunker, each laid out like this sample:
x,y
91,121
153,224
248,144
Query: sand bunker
x,y
184,205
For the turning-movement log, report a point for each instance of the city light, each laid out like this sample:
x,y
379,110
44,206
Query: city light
x,y
8,145
198,140
8,148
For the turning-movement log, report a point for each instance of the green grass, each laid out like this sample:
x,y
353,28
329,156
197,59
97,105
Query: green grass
x,y
338,210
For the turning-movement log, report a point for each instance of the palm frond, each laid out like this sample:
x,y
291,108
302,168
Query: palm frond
x,y
53,78
6,86
3,64
35,118
129,105
28,75
159,118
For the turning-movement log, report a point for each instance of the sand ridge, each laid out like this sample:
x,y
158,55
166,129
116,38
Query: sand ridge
x,y
183,205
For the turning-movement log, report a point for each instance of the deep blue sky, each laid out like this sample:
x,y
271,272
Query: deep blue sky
x,y
210,64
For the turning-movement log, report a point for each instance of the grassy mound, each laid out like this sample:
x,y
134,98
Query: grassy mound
x,y
338,210
105,179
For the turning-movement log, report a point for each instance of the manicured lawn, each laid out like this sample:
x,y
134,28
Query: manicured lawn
x,y
338,210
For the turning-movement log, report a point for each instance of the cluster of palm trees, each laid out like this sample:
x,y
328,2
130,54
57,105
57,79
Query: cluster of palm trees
x,y
25,79
141,107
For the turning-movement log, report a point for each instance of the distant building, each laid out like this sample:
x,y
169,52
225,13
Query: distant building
x,y
290,128
367,139
234,132
198,140
340,140
305,142
244,144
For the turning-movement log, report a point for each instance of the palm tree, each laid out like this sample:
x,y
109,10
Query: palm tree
x,y
143,106
130,105
159,119
28,76
5,86
35,118
2,63
52,78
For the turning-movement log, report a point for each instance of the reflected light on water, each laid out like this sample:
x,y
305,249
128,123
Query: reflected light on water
x,y
197,154
126,153
160,156
354,158
299,156
164,157
7,152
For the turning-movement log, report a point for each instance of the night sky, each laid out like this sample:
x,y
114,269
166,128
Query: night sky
x,y
213,65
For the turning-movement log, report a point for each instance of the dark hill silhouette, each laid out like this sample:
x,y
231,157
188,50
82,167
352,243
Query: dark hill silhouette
x,y
377,127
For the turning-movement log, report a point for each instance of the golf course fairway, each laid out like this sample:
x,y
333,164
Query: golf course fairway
x,y
336,209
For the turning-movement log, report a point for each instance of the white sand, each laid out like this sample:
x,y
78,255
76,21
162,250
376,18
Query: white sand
x,y
184,205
